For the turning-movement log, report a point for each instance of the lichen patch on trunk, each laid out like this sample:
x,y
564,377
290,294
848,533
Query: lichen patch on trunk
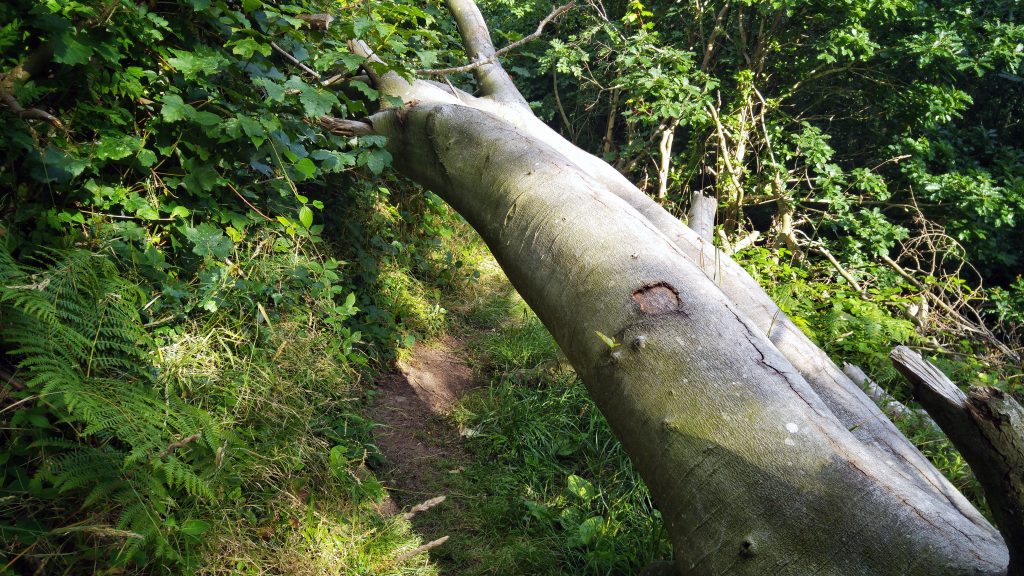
x,y
659,298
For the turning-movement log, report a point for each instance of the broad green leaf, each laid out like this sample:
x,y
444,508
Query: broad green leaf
x,y
71,50
208,240
146,157
204,118
590,529
370,93
361,24
427,57
275,92
195,528
306,216
332,161
246,47
175,109
203,62
305,168
315,102
581,488
253,129
117,146
148,213
201,177
378,159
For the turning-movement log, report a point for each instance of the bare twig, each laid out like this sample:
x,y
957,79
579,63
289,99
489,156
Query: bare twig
x,y
8,379
249,204
494,57
108,12
295,60
561,110
839,267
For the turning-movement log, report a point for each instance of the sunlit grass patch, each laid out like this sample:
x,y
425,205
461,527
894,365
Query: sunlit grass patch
x,y
549,489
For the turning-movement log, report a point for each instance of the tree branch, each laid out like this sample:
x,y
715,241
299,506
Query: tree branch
x,y
7,99
494,82
494,57
346,127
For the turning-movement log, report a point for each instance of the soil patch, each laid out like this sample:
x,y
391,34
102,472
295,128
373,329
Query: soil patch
x,y
410,406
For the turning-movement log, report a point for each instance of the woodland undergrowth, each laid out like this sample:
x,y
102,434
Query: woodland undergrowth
x,y
198,285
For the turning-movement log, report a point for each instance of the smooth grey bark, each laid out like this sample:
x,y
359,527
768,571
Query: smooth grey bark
x,y
761,454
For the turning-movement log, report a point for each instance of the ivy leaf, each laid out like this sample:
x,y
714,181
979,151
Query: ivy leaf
x,y
208,240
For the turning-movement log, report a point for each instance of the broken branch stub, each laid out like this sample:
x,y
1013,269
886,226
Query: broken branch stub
x,y
987,426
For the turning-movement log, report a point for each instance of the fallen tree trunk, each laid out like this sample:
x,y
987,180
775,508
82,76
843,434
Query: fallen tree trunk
x,y
762,456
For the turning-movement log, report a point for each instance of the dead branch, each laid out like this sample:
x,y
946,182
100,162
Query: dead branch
x,y
7,99
987,427
179,444
317,21
346,127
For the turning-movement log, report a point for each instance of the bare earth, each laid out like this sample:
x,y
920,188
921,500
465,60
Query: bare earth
x,y
410,405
